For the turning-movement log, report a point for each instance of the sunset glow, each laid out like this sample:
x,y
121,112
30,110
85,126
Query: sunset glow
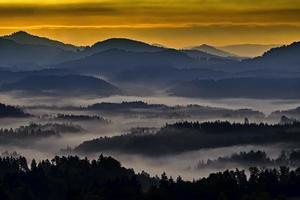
x,y
217,22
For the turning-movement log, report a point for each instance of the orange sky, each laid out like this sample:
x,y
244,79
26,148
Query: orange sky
x,y
176,23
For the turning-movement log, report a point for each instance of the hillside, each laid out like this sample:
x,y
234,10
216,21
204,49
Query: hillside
x,y
121,44
25,56
284,58
114,60
62,85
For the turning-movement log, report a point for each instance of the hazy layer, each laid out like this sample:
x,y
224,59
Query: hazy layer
x,y
182,164
265,106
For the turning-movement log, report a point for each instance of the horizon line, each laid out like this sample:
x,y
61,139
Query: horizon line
x,y
137,40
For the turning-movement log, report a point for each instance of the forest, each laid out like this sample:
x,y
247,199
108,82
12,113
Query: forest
x,y
74,178
147,110
188,136
35,131
72,117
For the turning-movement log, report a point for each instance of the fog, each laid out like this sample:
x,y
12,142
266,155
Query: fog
x,y
174,165
264,105
184,164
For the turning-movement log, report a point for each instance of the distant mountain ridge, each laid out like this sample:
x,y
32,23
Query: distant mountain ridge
x,y
22,37
34,52
248,50
128,62
122,44
213,51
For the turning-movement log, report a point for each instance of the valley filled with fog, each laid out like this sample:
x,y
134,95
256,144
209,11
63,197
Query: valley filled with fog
x,y
186,112
141,119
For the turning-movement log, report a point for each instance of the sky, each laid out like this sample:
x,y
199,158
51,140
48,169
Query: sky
x,y
174,23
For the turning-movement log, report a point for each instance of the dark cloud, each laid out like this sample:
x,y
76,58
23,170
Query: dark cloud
x,y
18,10
156,13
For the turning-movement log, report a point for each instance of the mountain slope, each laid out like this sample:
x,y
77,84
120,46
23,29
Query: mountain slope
x,y
25,56
7,76
284,58
22,37
63,85
115,60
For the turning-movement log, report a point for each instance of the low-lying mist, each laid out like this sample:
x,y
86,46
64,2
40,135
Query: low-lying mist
x,y
263,105
182,164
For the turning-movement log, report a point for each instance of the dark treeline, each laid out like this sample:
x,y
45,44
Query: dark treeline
x,y
124,105
62,127
188,136
160,110
252,158
11,111
147,110
72,178
36,131
32,131
72,117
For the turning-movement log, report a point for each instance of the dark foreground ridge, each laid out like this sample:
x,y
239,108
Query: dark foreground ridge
x,y
73,178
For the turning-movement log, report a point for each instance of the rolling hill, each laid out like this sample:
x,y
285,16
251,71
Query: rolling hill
x,y
121,44
25,56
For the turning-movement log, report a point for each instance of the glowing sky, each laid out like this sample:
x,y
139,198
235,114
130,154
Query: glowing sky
x,y
176,23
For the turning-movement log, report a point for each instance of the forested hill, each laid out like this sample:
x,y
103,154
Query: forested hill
x,y
190,136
